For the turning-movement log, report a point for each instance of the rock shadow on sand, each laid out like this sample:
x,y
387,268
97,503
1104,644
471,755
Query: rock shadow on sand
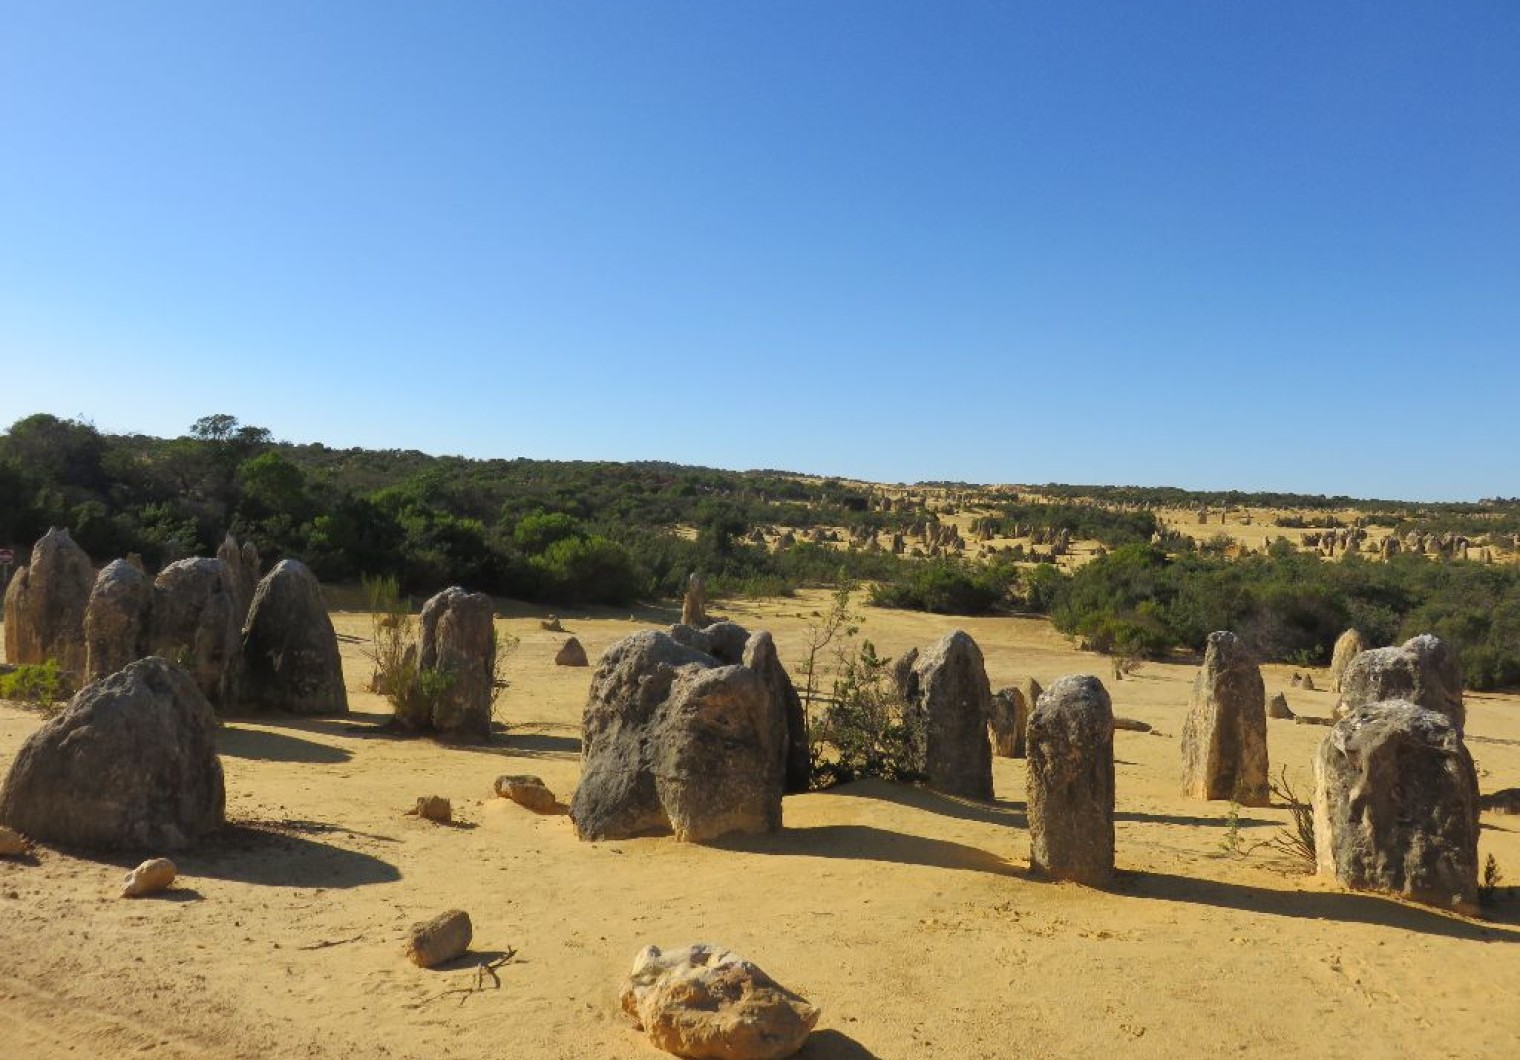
x,y
274,854
833,1045
1344,906
994,811
860,842
259,745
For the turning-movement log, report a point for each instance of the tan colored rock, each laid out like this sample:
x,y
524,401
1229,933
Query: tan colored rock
x,y
434,808
439,940
1006,724
1277,707
694,606
45,604
704,1001
551,624
1224,738
148,878
527,790
12,842
571,654
1348,646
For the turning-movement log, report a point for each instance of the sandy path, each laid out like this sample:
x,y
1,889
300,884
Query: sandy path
x,y
906,915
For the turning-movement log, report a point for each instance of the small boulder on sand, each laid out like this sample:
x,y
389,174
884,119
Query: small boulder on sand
x,y
12,843
571,654
434,808
440,939
1277,707
527,790
551,624
706,1001
149,878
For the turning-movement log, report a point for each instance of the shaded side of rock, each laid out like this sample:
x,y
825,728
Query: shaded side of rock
x,y
571,654
760,655
456,662
1070,782
955,702
1277,707
130,763
290,650
1396,805
116,619
1224,738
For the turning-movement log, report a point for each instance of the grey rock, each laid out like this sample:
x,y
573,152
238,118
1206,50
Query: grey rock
x,y
1224,738
129,764
45,604
194,623
456,660
1070,782
1396,805
676,740
1008,719
290,650
1423,670
116,619
953,705
760,656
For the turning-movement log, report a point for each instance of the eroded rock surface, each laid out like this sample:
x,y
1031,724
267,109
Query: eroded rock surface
x,y
1224,738
290,650
953,704
45,604
1424,670
1070,782
116,619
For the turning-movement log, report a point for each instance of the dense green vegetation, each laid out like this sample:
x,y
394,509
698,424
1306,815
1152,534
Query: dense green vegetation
x,y
1290,606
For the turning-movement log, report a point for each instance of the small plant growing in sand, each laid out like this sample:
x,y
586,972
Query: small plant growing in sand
x,y
839,623
1488,890
864,730
1295,839
1232,844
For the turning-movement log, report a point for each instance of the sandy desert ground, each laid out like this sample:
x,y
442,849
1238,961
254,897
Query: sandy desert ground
x,y
907,916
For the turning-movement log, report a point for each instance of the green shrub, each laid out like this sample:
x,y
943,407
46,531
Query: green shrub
x,y
40,684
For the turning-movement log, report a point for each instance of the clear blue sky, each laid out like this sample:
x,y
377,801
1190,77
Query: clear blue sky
x,y
1213,244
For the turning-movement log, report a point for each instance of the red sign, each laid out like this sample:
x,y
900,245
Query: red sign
x,y
7,557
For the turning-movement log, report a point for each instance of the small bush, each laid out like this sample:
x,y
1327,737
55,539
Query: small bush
x,y
864,731
40,684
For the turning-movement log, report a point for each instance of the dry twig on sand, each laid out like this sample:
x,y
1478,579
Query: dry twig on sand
x,y
484,970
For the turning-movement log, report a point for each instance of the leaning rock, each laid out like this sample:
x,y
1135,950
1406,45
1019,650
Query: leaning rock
x,y
194,623
129,763
672,738
457,643
45,604
571,654
116,619
439,940
528,791
1070,782
149,878
1348,646
290,651
953,706
1396,805
1224,739
1277,707
707,1002
1009,715
1423,670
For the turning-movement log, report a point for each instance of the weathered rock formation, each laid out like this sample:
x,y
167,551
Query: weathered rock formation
x,y
1006,724
1396,805
694,606
1277,707
1224,739
439,940
150,877
130,763
1423,670
952,707
681,738
706,1001
290,651
45,603
193,622
571,653
242,563
1070,782
1348,646
116,619
527,791
456,660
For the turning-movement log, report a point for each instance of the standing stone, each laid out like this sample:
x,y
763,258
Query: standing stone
x,y
1277,707
130,764
1348,646
1008,720
194,623
456,662
953,705
674,738
242,579
694,606
1396,805
290,651
1224,739
571,653
1424,670
116,619
760,655
45,604
905,677
1070,782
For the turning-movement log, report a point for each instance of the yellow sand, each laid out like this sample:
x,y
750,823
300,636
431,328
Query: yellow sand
x,y
907,916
